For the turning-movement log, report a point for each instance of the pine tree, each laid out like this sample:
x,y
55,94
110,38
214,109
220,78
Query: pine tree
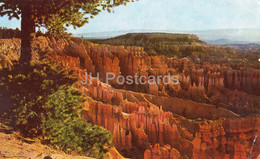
x,y
55,15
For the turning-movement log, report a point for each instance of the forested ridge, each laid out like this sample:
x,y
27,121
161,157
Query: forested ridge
x,y
184,46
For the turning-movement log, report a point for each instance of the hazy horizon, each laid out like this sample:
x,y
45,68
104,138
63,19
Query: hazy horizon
x,y
180,31
225,35
185,15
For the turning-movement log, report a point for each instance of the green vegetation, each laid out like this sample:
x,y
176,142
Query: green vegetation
x,y
54,15
153,43
184,46
47,106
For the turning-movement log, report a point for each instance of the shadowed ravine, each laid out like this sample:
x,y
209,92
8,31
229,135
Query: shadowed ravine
x,y
208,114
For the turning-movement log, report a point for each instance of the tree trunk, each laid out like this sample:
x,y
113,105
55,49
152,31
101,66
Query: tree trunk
x,y
27,33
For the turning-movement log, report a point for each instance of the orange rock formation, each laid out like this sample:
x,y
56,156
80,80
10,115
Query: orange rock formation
x,y
151,125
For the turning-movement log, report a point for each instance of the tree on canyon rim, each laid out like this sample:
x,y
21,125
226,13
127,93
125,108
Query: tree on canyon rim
x,y
54,15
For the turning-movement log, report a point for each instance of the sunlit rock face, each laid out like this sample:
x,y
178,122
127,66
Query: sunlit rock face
x,y
201,117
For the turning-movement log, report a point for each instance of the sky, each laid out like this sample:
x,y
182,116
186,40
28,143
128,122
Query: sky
x,y
182,15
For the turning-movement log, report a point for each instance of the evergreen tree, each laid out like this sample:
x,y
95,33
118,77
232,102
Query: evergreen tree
x,y
55,15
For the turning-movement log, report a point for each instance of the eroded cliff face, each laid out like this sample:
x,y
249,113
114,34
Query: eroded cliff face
x,y
152,121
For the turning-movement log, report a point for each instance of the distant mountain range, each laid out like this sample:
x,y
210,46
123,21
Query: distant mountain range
x,y
229,36
215,37
245,47
244,40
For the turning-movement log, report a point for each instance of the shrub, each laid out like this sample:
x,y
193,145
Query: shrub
x,y
48,106
29,87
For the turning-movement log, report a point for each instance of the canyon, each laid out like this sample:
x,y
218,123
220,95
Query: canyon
x,y
211,113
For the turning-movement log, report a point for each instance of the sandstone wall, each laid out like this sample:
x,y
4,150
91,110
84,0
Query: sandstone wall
x,y
149,125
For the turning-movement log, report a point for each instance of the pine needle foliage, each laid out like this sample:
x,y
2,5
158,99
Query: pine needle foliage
x,y
48,106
